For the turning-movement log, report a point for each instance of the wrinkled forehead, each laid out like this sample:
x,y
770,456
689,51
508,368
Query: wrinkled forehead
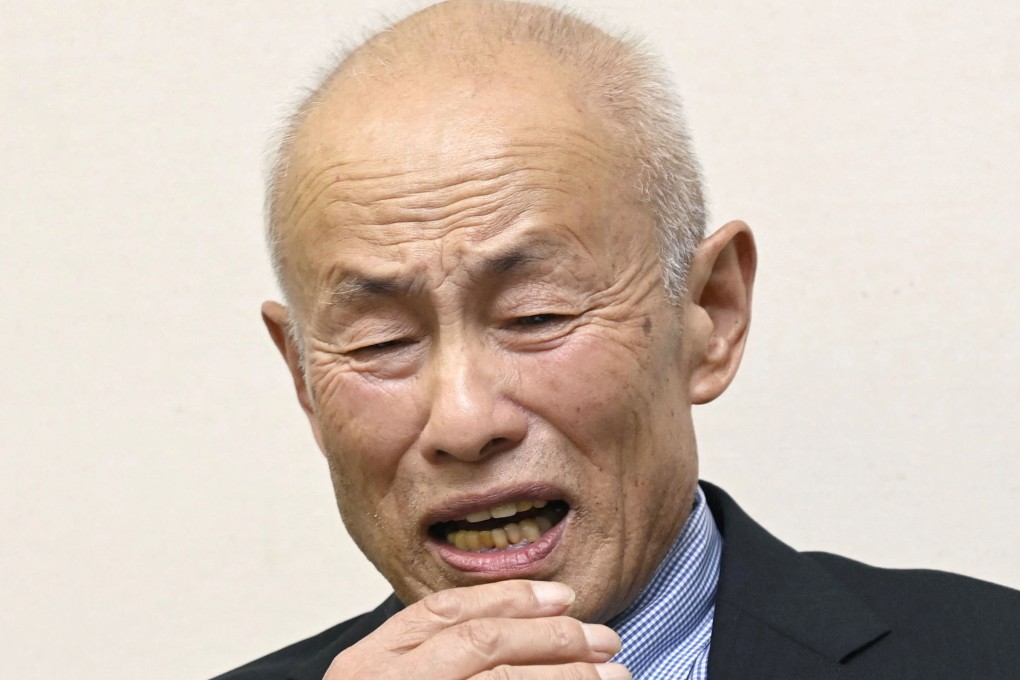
x,y
462,151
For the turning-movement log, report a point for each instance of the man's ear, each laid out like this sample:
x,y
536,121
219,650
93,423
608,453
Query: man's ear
x,y
718,309
277,320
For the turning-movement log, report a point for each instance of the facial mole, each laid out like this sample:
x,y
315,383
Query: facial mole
x,y
647,326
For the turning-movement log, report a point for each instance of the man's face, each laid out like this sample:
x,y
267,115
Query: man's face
x,y
485,327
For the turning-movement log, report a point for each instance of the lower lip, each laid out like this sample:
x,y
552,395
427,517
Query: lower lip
x,y
504,563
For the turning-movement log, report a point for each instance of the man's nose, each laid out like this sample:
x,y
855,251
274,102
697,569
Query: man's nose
x,y
472,414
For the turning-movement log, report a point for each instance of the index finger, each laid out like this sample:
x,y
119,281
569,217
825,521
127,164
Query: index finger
x,y
517,599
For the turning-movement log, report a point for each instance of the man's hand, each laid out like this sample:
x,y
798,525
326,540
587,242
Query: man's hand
x,y
498,631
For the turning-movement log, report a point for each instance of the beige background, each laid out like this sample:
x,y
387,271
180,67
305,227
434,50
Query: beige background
x,y
165,513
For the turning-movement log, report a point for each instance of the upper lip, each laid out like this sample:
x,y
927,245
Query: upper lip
x,y
458,507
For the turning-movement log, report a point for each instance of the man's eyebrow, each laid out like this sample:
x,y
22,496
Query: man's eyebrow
x,y
505,263
354,287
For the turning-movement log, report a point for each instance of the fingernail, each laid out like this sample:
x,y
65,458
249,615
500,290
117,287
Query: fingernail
x,y
552,593
601,639
612,671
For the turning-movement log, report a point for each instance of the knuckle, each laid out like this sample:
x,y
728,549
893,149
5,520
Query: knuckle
x,y
444,605
401,633
521,590
404,637
481,635
566,635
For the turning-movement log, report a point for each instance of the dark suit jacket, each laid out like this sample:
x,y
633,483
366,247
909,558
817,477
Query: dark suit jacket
x,y
785,615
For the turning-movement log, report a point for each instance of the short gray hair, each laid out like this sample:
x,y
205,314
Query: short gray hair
x,y
621,78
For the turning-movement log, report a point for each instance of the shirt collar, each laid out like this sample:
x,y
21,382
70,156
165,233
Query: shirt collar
x,y
677,605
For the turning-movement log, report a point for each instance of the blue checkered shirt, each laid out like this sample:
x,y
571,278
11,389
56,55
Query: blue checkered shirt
x,y
667,630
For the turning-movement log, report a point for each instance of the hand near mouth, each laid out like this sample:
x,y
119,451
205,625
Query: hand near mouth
x,y
504,630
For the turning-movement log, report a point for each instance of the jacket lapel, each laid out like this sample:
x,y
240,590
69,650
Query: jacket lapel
x,y
778,613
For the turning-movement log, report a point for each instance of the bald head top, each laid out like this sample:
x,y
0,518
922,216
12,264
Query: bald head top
x,y
615,79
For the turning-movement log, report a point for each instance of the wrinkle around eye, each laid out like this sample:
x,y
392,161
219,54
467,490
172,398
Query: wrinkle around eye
x,y
389,359
538,332
387,354
381,347
533,320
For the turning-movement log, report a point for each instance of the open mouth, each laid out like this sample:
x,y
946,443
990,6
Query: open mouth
x,y
505,527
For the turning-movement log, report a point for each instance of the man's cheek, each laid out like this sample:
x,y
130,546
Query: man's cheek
x,y
367,428
586,385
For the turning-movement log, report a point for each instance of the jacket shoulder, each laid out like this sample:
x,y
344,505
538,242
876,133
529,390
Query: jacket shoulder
x,y
926,598
941,625
784,614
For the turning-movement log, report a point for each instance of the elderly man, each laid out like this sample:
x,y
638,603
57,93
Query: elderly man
x,y
488,226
